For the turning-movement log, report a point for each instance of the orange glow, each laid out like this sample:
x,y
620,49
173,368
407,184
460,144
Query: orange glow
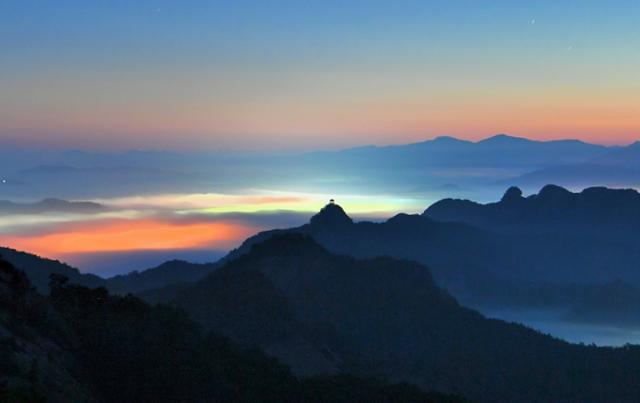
x,y
595,111
125,235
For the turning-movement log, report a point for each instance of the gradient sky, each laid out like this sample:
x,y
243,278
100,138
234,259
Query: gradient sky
x,y
306,74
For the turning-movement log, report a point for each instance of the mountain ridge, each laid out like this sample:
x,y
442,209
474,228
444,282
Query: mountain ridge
x,y
38,269
387,317
552,204
83,345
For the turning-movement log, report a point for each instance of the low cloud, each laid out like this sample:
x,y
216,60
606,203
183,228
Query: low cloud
x,y
49,206
163,225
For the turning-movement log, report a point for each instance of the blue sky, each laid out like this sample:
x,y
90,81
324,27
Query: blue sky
x,y
303,74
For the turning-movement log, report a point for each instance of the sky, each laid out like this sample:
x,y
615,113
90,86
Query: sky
x,y
302,75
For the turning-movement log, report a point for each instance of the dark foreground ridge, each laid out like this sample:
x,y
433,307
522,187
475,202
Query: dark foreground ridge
x,y
170,273
84,345
323,313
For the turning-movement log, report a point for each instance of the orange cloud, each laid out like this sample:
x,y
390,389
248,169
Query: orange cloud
x,y
131,235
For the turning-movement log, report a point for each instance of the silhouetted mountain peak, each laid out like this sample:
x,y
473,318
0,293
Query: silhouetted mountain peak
x,y
447,140
39,269
512,194
403,218
619,195
331,215
503,139
553,192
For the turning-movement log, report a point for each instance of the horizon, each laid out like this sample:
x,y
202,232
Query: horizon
x,y
297,151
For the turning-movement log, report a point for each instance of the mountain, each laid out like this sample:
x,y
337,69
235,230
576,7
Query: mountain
x,y
559,235
617,167
39,269
430,168
84,345
507,264
621,156
575,249
497,151
35,363
247,307
168,273
404,236
578,176
554,208
435,168
385,317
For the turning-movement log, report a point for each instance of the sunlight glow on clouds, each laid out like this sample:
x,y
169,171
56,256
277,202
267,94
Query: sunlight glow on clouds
x,y
268,201
21,223
131,235
181,221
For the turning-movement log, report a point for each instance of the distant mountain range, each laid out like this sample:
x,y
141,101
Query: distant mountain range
x,y
447,165
497,151
618,166
441,167
554,208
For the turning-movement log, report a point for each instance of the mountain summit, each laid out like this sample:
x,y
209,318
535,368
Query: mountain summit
x,y
504,139
513,194
331,216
